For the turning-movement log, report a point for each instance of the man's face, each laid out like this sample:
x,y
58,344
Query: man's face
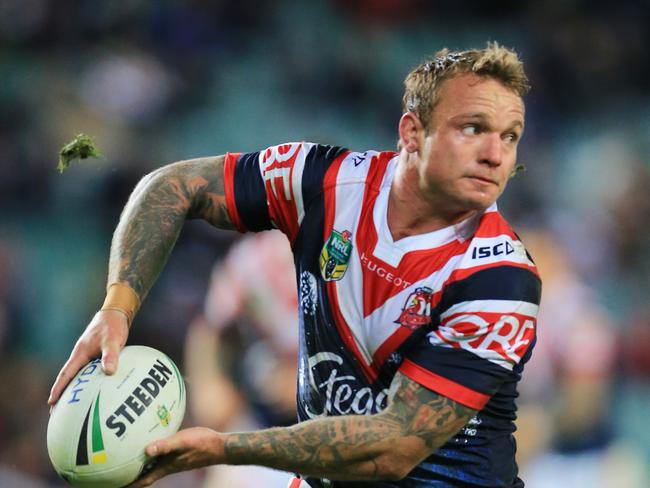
x,y
471,148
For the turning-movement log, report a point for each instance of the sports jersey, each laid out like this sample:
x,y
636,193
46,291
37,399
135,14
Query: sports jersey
x,y
454,309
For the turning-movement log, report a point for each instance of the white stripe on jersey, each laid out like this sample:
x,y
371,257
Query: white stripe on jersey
x,y
296,179
354,169
492,306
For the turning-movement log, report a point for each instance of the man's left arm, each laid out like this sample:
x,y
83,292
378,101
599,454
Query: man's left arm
x,y
384,446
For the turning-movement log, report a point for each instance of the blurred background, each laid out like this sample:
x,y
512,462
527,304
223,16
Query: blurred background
x,y
154,82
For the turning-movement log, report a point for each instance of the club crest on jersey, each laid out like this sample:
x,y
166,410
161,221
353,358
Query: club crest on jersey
x,y
335,255
417,309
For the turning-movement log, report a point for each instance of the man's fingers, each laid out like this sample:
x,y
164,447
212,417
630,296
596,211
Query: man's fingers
x,y
69,369
160,470
57,387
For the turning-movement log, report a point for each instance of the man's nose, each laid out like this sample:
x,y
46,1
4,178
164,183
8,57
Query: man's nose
x,y
491,150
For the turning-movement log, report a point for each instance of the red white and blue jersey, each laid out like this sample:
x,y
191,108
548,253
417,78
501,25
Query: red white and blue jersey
x,y
454,309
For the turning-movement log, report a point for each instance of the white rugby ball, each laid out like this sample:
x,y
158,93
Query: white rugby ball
x,y
101,424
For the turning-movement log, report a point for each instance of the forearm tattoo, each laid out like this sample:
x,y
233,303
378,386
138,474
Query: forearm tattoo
x,y
423,413
416,422
155,213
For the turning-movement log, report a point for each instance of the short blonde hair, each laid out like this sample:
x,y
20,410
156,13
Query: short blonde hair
x,y
422,85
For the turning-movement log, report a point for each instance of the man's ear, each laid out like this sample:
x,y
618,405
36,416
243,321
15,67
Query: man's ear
x,y
410,128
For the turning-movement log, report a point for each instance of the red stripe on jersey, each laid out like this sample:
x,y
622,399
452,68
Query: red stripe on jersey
x,y
366,238
493,224
457,392
229,185
376,172
389,345
295,483
282,207
383,279
329,192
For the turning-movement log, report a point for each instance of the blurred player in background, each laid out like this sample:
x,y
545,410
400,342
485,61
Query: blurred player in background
x,y
249,381
417,301
565,435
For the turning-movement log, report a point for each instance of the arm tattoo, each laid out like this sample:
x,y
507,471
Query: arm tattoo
x,y
155,213
423,413
416,423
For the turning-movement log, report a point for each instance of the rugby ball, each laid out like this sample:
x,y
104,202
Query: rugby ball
x,y
101,424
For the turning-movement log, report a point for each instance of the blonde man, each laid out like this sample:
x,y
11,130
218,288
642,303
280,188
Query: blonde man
x,y
417,301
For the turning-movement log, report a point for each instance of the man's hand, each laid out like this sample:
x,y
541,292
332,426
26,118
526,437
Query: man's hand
x,y
187,449
105,336
383,446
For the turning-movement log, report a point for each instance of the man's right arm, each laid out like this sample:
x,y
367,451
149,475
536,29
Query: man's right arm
x,y
145,236
383,446
155,213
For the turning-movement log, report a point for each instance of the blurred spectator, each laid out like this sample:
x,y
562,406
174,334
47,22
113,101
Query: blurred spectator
x,y
250,383
566,435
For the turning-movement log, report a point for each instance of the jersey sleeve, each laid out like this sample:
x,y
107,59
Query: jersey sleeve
x,y
487,328
271,189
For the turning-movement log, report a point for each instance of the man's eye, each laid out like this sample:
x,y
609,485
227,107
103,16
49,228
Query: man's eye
x,y
470,129
511,137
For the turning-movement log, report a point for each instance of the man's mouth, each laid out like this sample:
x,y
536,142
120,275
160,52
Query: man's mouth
x,y
483,179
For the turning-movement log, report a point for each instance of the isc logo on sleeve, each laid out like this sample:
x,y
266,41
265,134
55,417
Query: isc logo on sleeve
x,y
502,248
496,249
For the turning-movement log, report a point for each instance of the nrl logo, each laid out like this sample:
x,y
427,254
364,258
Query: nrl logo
x,y
417,309
164,415
335,255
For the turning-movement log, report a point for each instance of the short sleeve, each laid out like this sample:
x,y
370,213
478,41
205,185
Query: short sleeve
x,y
487,328
270,188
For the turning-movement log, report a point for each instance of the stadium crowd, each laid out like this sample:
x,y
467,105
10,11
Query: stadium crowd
x,y
155,82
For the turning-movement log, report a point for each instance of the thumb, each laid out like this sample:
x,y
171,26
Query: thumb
x,y
111,344
163,446
110,354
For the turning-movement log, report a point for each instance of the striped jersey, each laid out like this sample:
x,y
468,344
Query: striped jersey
x,y
454,309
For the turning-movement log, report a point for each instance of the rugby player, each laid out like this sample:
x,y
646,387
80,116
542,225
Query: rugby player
x,y
417,301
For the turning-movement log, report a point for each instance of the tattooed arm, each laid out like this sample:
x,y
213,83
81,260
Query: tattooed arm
x,y
384,446
155,214
148,228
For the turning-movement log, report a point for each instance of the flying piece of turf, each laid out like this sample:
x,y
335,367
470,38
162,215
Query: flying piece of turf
x,y
81,147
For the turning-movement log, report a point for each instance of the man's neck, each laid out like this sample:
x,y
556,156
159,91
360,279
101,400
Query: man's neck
x,y
410,212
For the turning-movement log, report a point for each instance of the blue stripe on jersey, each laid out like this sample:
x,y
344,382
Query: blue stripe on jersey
x,y
250,193
318,333
459,366
498,283
317,163
501,406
